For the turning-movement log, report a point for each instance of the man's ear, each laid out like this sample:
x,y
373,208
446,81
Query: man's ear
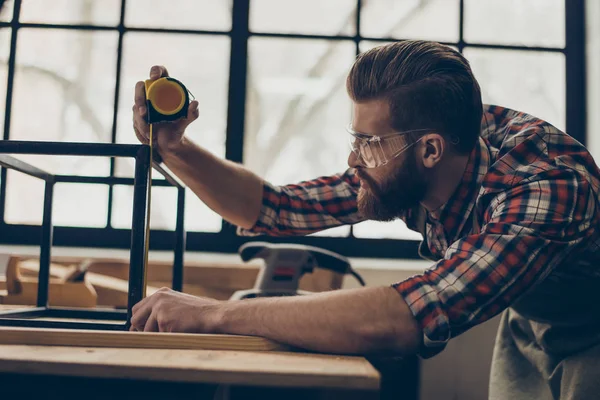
x,y
432,149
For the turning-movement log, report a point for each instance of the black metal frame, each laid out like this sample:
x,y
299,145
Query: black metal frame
x,y
141,153
227,241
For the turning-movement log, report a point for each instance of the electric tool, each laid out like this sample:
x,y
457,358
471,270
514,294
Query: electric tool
x,y
285,264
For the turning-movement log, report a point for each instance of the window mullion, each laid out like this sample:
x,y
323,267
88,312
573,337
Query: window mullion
x,y
121,28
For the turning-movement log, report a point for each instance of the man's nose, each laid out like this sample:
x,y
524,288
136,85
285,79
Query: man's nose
x,y
353,160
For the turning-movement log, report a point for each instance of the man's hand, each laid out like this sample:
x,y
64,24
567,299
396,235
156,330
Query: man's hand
x,y
352,321
171,311
166,135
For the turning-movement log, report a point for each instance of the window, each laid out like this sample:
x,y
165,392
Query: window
x,y
269,76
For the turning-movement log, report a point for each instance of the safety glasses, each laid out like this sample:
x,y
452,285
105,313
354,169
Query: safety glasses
x,y
375,151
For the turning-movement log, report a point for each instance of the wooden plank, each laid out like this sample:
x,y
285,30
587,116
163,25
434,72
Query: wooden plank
x,y
271,369
225,276
63,294
109,278
110,291
13,276
62,273
146,340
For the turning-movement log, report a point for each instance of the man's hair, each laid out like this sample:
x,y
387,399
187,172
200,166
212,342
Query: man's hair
x,y
427,86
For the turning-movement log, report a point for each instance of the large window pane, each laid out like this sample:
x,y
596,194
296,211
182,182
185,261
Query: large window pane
x,y
297,108
179,14
331,17
198,217
516,22
68,98
4,53
366,45
532,82
164,210
201,62
6,13
24,199
105,12
411,19
161,217
74,204
79,205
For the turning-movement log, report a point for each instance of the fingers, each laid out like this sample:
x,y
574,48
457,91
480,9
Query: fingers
x,y
140,314
140,97
193,113
140,127
158,71
139,112
151,324
143,138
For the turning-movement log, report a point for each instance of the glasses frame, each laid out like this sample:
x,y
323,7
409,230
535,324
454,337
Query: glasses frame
x,y
378,139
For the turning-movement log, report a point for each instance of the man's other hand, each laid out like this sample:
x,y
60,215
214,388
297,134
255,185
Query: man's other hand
x,y
171,311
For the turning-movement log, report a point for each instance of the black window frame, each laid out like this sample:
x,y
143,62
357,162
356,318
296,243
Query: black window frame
x,y
227,241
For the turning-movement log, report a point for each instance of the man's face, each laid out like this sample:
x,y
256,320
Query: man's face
x,y
386,191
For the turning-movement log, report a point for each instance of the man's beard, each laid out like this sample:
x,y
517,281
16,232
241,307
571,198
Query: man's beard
x,y
401,191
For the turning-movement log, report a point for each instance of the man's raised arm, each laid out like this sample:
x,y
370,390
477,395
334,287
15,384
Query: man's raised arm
x,y
241,197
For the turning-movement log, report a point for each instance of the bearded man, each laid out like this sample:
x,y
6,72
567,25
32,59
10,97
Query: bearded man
x,y
507,205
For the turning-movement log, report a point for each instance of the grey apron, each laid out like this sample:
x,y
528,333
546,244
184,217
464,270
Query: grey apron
x,y
548,344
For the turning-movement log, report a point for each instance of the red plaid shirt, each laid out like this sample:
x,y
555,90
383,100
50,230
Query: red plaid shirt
x,y
527,205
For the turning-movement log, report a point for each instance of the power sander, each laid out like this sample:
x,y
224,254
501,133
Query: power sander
x,y
284,266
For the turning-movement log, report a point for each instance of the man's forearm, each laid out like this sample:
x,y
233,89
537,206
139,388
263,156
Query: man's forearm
x,y
229,189
357,321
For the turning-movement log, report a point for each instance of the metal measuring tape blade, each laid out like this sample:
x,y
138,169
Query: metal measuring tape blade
x,y
167,100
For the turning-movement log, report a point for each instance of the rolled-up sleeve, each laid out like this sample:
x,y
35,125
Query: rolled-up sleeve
x,y
528,231
308,206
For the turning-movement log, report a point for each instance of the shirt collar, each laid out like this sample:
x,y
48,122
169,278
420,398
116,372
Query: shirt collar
x,y
458,209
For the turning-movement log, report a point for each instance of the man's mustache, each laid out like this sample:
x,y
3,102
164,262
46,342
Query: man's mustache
x,y
369,180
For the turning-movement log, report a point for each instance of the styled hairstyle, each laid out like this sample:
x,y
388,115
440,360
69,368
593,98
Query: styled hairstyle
x,y
427,85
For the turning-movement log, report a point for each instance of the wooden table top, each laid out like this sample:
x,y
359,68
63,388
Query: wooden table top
x,y
281,369
89,355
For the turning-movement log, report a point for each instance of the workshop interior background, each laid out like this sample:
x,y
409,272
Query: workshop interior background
x,y
71,55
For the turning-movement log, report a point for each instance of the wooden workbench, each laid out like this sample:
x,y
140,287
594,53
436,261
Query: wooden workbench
x,y
101,371
81,372
54,370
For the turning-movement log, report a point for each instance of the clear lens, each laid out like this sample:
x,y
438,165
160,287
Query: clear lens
x,y
369,153
375,151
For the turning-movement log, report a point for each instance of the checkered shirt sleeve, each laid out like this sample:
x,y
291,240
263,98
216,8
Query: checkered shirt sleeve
x,y
528,230
307,207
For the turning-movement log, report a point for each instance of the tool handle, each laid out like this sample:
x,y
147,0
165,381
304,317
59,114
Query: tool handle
x,y
321,257
254,250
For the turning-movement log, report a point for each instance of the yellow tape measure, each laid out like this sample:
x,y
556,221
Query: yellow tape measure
x,y
167,100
